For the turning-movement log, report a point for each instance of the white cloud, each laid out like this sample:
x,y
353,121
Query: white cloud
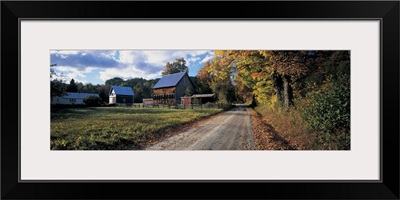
x,y
66,73
126,73
126,57
76,78
207,58
193,59
158,58
64,52
196,53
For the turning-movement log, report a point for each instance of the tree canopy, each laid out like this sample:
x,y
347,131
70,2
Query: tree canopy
x,y
179,65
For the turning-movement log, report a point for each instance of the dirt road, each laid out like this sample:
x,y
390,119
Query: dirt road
x,y
230,131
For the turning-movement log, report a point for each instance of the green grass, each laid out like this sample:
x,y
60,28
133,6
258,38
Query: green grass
x,y
115,128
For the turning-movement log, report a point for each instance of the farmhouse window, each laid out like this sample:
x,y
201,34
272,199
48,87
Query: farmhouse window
x,y
72,100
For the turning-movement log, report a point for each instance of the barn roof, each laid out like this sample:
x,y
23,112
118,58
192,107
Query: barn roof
x,y
122,90
169,80
202,95
73,95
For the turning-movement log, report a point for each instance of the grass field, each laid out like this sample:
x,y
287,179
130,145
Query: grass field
x,y
115,128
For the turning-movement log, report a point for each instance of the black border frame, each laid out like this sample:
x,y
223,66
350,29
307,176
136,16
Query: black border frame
x,y
386,11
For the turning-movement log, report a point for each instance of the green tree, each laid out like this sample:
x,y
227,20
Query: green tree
x,y
115,81
103,95
188,92
57,86
72,87
179,65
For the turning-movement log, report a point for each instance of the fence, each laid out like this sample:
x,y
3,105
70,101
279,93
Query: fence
x,y
181,106
141,105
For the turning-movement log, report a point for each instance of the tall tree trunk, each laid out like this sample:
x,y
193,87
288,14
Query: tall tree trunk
x,y
278,87
287,90
253,101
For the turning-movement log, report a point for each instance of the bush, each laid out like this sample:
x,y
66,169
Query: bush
x,y
196,101
329,113
93,101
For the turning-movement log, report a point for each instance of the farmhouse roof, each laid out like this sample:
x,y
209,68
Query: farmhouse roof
x,y
120,90
202,95
169,80
73,95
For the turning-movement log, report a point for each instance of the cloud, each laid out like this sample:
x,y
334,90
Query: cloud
x,y
84,59
209,56
66,73
127,73
193,59
121,63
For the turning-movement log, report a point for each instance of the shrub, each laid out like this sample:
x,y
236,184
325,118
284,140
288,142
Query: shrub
x,y
93,101
329,113
196,101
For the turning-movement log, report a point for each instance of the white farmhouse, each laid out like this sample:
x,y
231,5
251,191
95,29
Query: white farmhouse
x,y
71,98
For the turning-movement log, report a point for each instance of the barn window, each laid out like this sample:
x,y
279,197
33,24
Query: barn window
x,y
72,100
123,100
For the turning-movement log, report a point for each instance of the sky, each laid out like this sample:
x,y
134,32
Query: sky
x,y
97,66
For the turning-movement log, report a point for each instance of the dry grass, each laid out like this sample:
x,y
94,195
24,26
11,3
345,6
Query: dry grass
x,y
288,129
265,136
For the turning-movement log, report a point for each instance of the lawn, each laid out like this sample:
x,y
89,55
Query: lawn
x,y
115,128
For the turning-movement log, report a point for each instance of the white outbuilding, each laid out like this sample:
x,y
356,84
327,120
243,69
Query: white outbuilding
x,y
71,98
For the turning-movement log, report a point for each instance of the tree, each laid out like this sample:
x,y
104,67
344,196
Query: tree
x,y
103,95
220,75
269,75
81,87
57,86
287,67
179,65
188,92
72,87
115,81
204,79
142,88
243,93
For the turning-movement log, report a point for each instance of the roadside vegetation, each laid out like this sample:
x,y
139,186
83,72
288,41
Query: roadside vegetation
x,y
116,128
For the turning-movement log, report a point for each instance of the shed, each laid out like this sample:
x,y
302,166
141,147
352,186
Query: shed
x,y
148,101
202,98
120,95
72,98
185,101
170,88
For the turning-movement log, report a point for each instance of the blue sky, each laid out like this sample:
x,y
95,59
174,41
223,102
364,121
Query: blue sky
x,y
97,66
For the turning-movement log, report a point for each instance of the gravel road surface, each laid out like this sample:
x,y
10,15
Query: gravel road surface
x,y
231,130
